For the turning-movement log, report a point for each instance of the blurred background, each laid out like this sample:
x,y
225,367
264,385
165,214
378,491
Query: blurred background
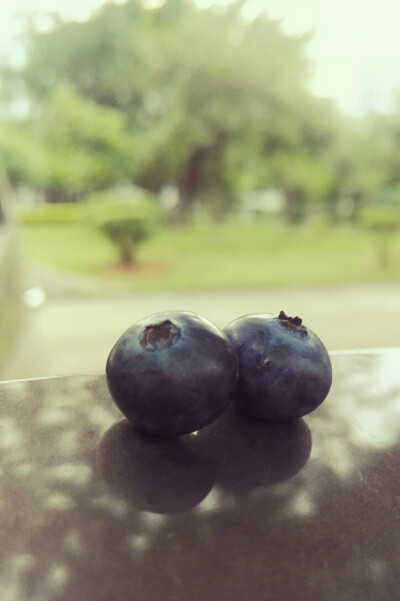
x,y
225,157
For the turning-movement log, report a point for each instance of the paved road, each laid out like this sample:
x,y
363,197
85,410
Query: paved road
x,y
75,334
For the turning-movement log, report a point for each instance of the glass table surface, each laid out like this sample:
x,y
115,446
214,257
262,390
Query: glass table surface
x,y
242,511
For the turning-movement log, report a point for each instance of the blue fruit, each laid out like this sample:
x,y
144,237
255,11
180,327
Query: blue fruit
x,y
284,369
172,373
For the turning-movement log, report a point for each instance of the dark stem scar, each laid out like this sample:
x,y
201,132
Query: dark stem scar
x,y
159,335
292,323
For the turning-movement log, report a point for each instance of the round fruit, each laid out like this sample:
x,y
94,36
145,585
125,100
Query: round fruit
x,y
284,369
172,373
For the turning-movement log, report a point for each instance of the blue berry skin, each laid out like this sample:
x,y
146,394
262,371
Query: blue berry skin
x,y
172,373
285,370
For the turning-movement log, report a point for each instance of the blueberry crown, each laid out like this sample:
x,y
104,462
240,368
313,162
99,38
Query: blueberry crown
x,y
292,322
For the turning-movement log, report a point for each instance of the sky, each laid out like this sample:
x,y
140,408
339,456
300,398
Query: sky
x,y
355,47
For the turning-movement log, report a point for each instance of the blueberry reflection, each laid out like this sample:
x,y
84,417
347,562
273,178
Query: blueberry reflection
x,y
256,454
166,476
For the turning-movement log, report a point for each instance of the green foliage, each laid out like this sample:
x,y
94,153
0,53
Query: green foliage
x,y
51,213
72,146
389,195
382,218
383,221
384,130
205,94
203,99
23,156
303,177
85,142
126,218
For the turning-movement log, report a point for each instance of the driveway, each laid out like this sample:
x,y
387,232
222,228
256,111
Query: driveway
x,y
75,334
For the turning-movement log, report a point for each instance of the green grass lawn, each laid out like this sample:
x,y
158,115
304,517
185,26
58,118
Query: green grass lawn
x,y
228,256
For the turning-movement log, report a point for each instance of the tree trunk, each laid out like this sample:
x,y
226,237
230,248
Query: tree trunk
x,y
295,206
126,260
203,175
185,206
190,184
217,204
357,206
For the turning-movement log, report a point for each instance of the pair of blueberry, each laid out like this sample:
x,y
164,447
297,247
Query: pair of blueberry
x,y
176,372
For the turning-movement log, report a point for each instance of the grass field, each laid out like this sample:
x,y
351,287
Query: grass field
x,y
229,256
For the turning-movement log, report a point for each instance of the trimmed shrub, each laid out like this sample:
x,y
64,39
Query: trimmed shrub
x,y
126,217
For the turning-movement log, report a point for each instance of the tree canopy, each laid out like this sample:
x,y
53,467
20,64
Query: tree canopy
x,y
177,94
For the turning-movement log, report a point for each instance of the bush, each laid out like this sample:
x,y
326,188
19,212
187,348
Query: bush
x,y
63,212
383,221
381,218
126,217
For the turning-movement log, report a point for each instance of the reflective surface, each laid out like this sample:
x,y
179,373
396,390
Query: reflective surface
x,y
89,509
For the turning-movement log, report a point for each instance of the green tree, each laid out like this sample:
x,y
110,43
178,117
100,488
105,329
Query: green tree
x,y
69,147
383,222
199,98
21,155
194,85
357,169
384,131
85,144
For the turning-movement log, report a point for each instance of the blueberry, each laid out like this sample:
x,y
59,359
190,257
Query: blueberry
x,y
160,475
172,373
284,369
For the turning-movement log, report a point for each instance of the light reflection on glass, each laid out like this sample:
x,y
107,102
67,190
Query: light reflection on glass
x,y
302,505
12,573
211,503
22,470
57,577
52,416
67,443
118,508
57,501
152,521
73,541
10,435
138,543
378,569
77,474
